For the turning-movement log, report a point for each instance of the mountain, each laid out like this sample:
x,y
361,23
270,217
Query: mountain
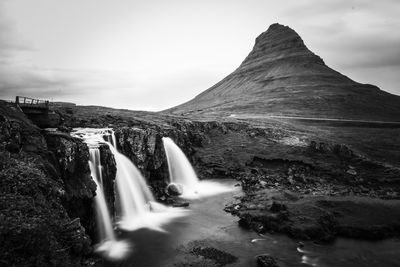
x,y
281,76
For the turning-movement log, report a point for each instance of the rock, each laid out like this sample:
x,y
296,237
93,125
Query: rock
x,y
70,157
351,172
36,226
221,258
277,206
180,204
174,189
64,129
343,151
290,195
266,261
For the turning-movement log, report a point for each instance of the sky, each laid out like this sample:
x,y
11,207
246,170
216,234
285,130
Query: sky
x,y
155,54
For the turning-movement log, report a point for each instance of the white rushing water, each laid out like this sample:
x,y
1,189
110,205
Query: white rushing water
x,y
181,172
138,206
104,225
108,246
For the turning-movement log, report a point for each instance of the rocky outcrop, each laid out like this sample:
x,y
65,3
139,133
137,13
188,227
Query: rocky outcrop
x,y
33,219
317,217
39,225
109,170
70,158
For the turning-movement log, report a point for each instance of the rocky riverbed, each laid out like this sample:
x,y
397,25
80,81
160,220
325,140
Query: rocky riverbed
x,y
318,212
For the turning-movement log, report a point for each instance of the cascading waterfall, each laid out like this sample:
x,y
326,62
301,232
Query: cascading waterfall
x,y
104,224
108,246
94,160
139,208
134,194
180,169
182,173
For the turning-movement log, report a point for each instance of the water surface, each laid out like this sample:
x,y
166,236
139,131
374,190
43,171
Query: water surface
x,y
208,225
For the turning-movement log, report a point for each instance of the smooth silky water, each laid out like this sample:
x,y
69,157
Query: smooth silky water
x,y
181,172
209,225
108,246
138,206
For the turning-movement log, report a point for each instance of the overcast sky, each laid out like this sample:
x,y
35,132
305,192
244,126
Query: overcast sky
x,y
154,54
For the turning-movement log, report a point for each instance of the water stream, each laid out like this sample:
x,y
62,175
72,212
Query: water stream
x,y
108,246
138,206
104,224
210,226
182,173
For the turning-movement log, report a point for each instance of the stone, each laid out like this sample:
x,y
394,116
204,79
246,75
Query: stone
x,y
266,261
174,189
221,258
180,205
290,195
277,206
351,172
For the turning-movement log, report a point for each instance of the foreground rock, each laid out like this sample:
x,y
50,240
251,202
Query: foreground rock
x,y
316,216
174,189
40,201
266,261
198,253
220,258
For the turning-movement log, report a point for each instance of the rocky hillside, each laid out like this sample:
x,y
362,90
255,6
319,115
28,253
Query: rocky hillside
x,y
281,76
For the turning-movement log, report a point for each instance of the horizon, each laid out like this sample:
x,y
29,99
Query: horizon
x,y
153,56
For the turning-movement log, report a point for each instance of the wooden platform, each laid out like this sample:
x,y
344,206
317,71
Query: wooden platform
x,y
31,105
38,111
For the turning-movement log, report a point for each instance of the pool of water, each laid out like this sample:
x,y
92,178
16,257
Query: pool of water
x,y
208,224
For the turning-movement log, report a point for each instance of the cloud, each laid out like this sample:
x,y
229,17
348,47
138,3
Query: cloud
x,y
99,58
10,45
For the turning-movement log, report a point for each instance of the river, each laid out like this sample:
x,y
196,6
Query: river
x,y
208,225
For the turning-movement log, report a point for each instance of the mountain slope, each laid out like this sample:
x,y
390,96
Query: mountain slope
x,y
281,76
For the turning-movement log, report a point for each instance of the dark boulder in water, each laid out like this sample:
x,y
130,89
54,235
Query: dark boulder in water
x,y
174,189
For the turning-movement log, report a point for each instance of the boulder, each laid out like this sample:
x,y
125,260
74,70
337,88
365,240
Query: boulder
x,y
266,261
174,189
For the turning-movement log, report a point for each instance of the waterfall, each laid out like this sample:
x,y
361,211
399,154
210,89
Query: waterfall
x,y
134,194
181,172
139,208
108,246
104,224
180,169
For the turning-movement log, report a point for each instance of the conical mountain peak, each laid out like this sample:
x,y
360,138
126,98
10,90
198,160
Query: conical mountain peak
x,y
279,42
282,76
277,34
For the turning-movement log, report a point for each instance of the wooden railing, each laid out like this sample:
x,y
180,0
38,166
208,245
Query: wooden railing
x,y
23,101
